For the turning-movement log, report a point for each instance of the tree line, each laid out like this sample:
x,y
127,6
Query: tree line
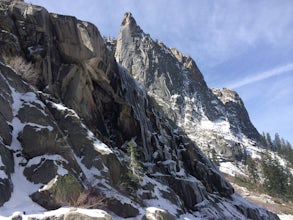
x,y
275,178
279,145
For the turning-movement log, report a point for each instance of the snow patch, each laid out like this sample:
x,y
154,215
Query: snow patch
x,y
285,217
3,175
102,148
159,200
98,145
22,188
61,107
231,169
39,127
62,211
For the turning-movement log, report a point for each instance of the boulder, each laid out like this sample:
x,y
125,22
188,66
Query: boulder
x,y
37,141
101,215
60,191
6,157
120,208
74,213
5,130
152,213
6,169
42,172
190,192
6,189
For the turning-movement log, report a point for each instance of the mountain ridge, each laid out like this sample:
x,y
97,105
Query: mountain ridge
x,y
81,119
179,86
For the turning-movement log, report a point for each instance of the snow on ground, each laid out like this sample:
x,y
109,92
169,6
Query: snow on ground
x,y
58,212
285,217
254,152
61,107
37,160
20,199
158,200
231,169
98,145
220,126
102,148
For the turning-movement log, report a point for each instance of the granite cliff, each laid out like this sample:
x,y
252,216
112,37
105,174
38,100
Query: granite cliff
x,y
214,119
77,122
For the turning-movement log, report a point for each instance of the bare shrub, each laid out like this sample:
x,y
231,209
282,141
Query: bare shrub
x,y
25,69
89,198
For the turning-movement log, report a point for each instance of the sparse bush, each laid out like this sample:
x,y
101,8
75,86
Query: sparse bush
x,y
66,189
25,69
69,192
89,198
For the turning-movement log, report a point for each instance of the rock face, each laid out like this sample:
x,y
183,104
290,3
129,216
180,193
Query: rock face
x,y
77,124
179,88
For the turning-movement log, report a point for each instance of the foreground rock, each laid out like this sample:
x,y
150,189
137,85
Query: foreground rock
x,y
67,214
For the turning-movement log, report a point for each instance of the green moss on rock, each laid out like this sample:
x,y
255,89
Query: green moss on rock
x,y
66,189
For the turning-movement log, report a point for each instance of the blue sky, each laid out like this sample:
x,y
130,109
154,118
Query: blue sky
x,y
240,44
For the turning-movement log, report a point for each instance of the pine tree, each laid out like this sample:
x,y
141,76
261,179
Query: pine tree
x,y
290,188
275,177
283,143
215,158
277,142
252,168
269,141
135,167
263,140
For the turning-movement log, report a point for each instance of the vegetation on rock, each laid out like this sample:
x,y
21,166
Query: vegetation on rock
x,y
27,70
135,168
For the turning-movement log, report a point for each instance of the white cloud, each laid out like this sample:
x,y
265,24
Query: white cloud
x,y
262,76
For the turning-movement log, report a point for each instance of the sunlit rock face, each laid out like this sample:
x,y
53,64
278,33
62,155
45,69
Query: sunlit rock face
x,y
214,119
87,123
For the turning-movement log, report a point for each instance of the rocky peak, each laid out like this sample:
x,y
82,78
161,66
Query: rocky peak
x,y
237,113
177,84
129,21
159,60
226,95
165,73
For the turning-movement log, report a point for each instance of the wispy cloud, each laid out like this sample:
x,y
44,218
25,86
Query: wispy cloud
x,y
262,76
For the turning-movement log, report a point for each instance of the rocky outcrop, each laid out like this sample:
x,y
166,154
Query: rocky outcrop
x,y
236,113
79,120
6,168
72,213
165,73
154,213
179,87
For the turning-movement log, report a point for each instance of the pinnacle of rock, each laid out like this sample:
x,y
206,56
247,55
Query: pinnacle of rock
x,y
128,20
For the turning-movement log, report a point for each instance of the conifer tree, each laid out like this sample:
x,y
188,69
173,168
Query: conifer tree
x,y
269,141
215,158
135,167
263,140
275,177
277,142
252,168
